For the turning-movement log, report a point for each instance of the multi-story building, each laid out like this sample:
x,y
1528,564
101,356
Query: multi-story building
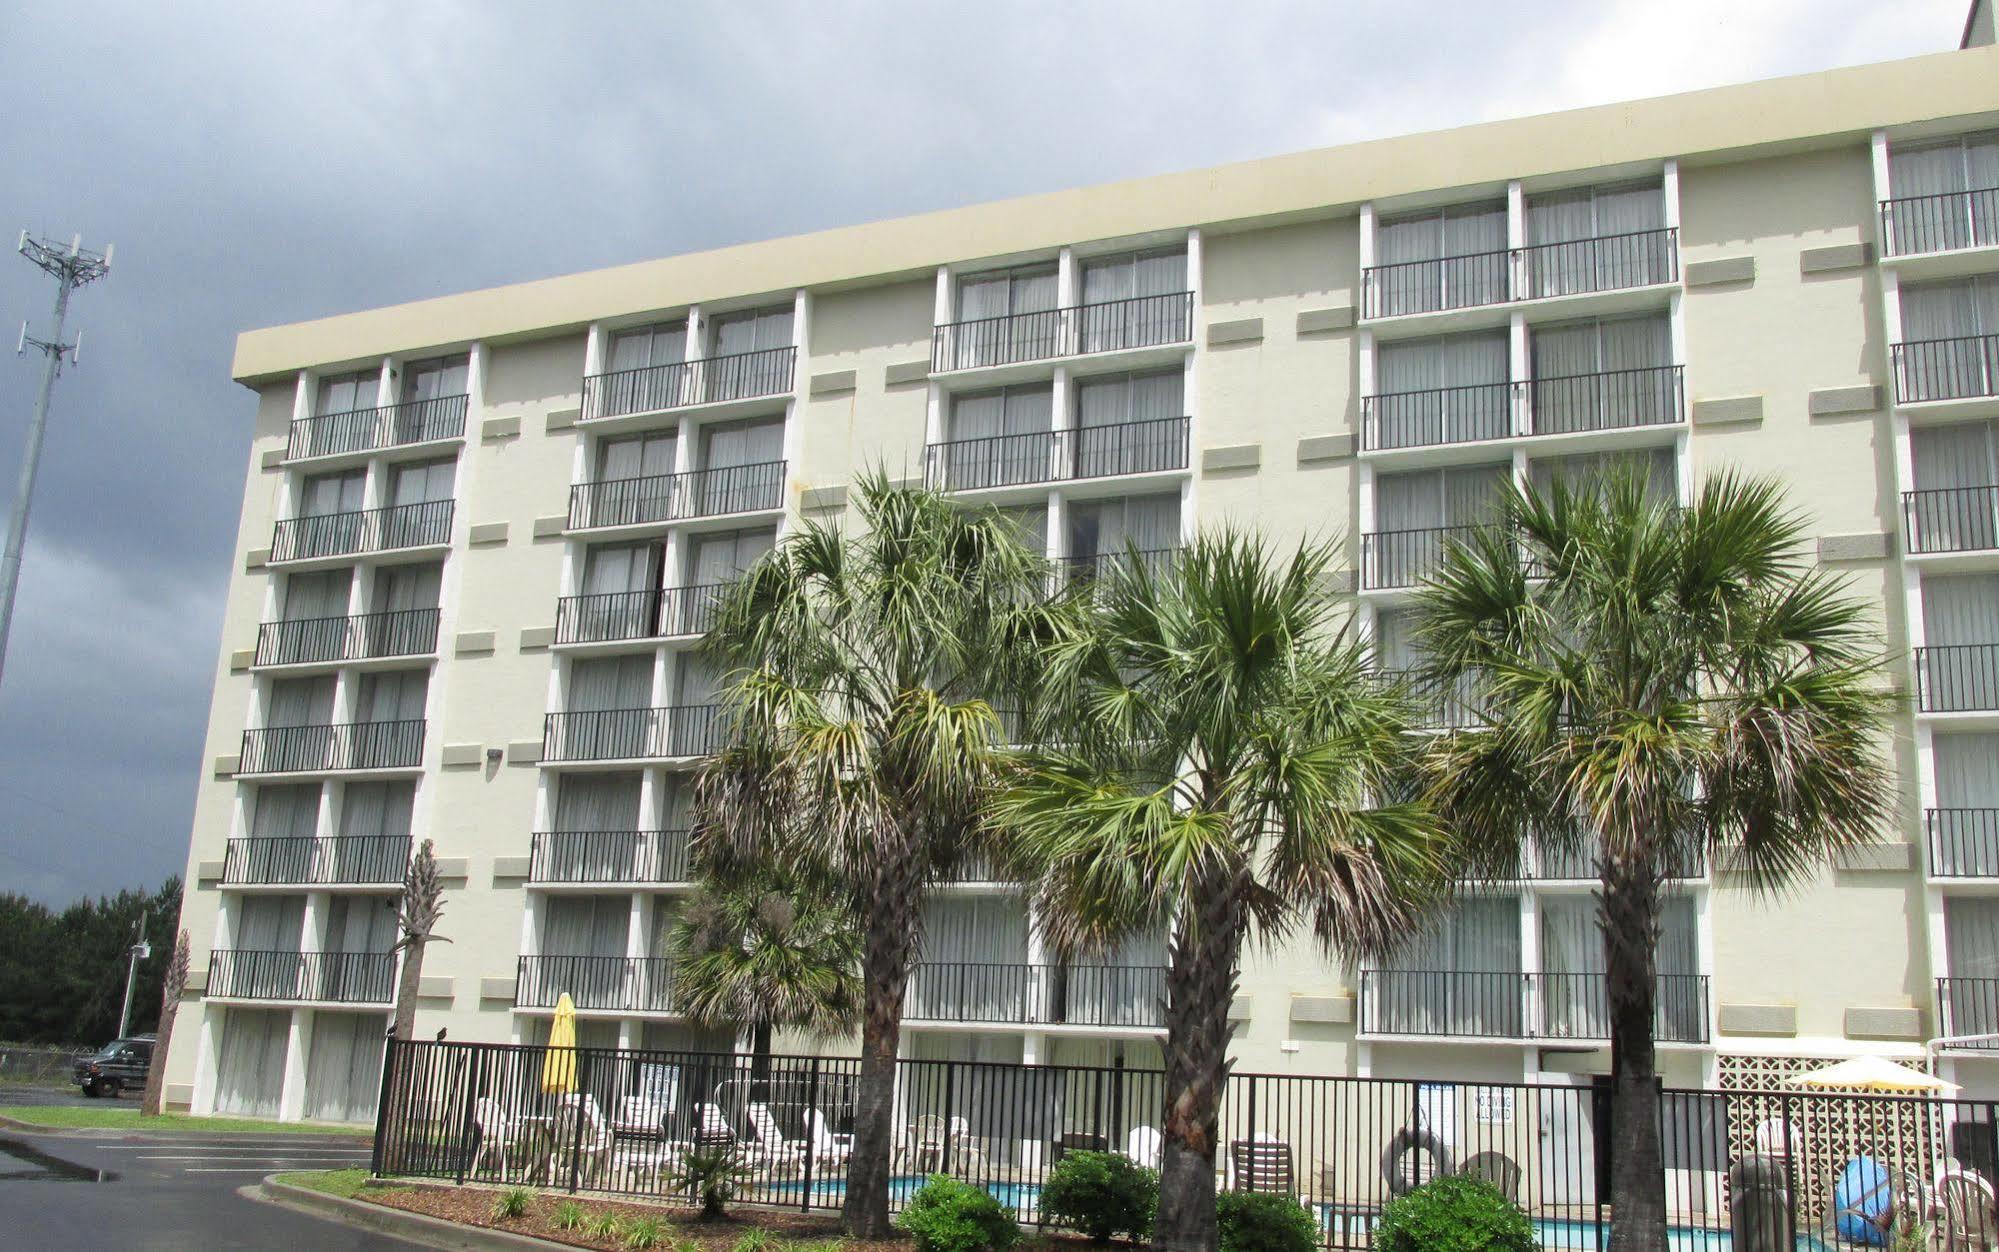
x,y
480,534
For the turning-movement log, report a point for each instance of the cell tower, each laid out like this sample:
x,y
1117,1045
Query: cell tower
x,y
72,266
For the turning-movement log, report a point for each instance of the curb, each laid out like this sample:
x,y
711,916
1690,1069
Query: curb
x,y
140,1128
416,1227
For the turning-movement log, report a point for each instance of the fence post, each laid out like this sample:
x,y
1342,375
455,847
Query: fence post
x,y
376,1157
576,1119
469,1099
811,1137
950,1102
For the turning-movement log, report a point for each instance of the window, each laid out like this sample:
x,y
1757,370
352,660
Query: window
x,y
346,393
714,562
317,595
620,594
999,438
407,588
746,361
1004,315
583,945
609,710
429,389
1597,239
1964,826
1462,976
1603,375
375,832
1943,195
1438,499
1129,424
1950,340
1954,507
744,464
322,495
1109,530
641,372
1134,300
420,504
345,415
1957,669
1453,389
1657,466
1574,1000
1450,258
1971,940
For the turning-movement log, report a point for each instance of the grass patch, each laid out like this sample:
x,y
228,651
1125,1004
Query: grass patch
x,y
71,1117
345,1183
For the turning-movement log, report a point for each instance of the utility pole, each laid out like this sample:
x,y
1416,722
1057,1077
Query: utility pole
x,y
137,952
72,267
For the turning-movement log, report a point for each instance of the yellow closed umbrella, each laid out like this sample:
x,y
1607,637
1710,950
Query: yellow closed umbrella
x,y
558,1068
1872,1073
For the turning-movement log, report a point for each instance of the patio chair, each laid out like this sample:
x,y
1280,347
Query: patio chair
x,y
1145,1146
1965,1212
827,1147
714,1129
1776,1137
1263,1165
772,1148
1496,1168
498,1134
581,1132
641,1115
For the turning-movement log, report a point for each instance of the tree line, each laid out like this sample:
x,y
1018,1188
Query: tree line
x,y
62,971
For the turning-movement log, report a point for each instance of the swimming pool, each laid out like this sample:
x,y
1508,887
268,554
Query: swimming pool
x,y
1021,1197
1564,1235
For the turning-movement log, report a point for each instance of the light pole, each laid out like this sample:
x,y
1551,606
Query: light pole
x,y
72,267
137,952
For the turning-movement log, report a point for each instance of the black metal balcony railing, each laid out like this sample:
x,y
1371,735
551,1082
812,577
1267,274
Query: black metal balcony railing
x,y
1459,1003
1404,558
1577,1006
1103,326
324,748
1437,284
653,388
1958,678
1570,267
1128,996
641,984
1610,400
1495,1005
1951,519
328,977
1965,367
677,497
1083,569
609,856
339,860
1941,222
1964,843
390,426
632,734
365,636
1573,862
1155,446
1440,706
421,525
658,613
1968,1006
1415,419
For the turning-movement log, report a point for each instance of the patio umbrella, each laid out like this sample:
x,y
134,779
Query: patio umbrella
x,y
558,1067
1872,1073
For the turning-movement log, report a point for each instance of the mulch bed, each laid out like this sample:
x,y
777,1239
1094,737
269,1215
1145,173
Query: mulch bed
x,y
473,1206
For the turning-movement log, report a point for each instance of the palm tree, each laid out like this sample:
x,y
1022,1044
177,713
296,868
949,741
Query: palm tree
x,y
861,744
1667,678
1227,756
767,949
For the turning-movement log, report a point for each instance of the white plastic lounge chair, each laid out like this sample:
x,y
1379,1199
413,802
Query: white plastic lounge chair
x,y
827,1147
771,1144
1145,1146
499,1135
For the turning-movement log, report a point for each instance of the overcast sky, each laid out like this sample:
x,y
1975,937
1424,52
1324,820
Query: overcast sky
x,y
260,164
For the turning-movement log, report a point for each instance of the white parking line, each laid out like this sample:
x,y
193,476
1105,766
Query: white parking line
x,y
252,1156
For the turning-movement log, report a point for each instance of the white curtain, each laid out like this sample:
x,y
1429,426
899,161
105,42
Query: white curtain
x,y
1575,1003
394,696
360,924
1026,411
250,1064
423,482
754,331
343,1069
1425,499
585,925
610,682
377,808
610,568
300,701
1971,933
729,444
323,494
434,380
983,295
1587,471
1106,528
290,811
648,345
1131,275
270,923
1961,609
1114,399
974,956
400,588
1965,833
348,392
1958,455
1419,252
718,558
322,594
696,679
1462,975
1009,411
597,802
1946,459
641,456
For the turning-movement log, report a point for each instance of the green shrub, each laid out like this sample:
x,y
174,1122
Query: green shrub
x,y
1454,1215
1251,1222
1101,1194
603,1226
513,1202
757,1241
711,1175
569,1216
946,1215
644,1232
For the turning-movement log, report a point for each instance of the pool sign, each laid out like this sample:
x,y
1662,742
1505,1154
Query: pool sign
x,y
1495,1106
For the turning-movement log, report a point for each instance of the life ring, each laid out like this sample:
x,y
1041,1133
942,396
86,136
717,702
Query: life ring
x,y
1401,1180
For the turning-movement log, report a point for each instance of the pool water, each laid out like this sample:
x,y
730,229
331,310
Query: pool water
x,y
1563,1235
1021,1197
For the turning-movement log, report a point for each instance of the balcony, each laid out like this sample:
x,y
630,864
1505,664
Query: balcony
x,y
323,749
1557,864
1610,400
1945,222
677,497
1393,559
632,734
609,856
1951,519
1157,446
366,430
1077,570
365,530
1466,1004
1116,996
1964,843
325,977
363,637
1968,1006
1453,706
630,984
661,613
1443,415
1107,326
336,861
1643,258
1960,678
1962,368
713,380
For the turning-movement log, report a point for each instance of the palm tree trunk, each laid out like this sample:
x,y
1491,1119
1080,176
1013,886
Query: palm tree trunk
x,y
888,943
1638,1170
408,979
1200,983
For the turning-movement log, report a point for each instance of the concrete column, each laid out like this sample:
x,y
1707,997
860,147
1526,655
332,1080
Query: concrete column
x,y
291,1102
1520,366
208,1046
1516,235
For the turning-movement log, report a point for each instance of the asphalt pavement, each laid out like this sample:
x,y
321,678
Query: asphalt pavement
x,y
114,1189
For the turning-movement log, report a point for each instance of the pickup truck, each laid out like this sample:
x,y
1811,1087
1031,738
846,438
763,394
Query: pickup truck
x,y
117,1065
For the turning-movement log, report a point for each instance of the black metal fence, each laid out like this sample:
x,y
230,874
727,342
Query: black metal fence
x,y
1951,519
657,612
422,525
391,426
676,497
1416,419
629,984
1437,284
1609,400
343,860
327,977
1941,222
1404,558
1037,335
623,1121
364,636
1157,445
1605,263
1957,678
632,734
652,388
609,856
1047,995
324,748
1961,368
1964,843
